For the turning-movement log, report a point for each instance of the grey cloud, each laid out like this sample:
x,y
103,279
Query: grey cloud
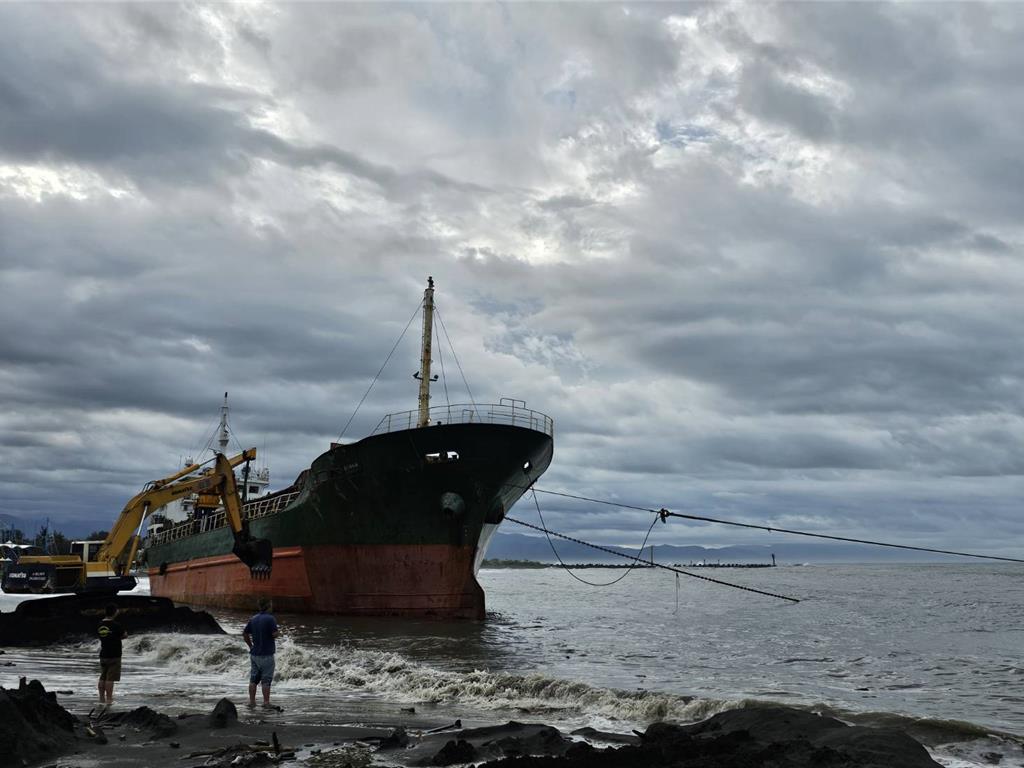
x,y
985,242
395,183
922,81
816,323
766,96
76,111
801,451
566,202
876,43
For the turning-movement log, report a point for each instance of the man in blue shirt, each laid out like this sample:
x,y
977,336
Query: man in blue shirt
x,y
259,635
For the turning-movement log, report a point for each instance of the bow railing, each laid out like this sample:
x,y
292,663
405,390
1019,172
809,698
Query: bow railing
x,y
510,412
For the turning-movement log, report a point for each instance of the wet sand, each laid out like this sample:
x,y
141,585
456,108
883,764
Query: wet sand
x,y
196,743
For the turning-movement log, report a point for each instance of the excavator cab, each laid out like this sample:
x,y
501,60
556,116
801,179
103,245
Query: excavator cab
x,y
79,571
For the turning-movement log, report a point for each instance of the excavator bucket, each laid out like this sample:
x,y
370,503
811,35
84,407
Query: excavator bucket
x,y
258,554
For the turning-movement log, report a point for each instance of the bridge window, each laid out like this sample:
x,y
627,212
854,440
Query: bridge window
x,y
441,457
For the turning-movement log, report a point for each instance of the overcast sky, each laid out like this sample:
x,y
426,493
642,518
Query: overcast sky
x,y
761,262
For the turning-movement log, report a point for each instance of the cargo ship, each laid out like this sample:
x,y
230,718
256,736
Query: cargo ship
x,y
395,524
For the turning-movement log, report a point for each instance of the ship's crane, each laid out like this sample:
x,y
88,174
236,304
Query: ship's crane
x,y
106,569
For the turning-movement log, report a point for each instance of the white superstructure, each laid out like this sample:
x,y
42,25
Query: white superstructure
x,y
251,487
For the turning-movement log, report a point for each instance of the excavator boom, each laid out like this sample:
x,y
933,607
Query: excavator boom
x,y
109,571
256,553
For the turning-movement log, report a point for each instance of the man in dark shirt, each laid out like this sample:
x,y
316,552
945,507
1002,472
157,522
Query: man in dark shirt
x,y
110,634
259,635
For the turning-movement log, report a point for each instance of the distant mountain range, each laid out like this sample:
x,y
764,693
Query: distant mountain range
x,y
518,546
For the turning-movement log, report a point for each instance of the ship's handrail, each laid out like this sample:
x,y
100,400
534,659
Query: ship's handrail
x,y
268,505
510,412
252,510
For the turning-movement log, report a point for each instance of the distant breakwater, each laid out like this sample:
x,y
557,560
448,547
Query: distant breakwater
x,y
535,564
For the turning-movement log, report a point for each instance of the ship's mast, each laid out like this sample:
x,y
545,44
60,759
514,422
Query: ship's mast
x,y
222,434
428,334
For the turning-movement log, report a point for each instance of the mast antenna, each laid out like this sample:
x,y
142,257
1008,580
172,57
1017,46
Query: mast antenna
x,y
222,435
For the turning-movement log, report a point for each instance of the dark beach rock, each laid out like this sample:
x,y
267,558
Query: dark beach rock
x,y
544,740
397,739
454,752
32,724
156,724
861,746
41,622
579,751
495,741
774,737
224,714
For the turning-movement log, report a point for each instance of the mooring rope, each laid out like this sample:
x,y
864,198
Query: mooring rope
x,y
664,513
569,570
367,392
440,357
656,565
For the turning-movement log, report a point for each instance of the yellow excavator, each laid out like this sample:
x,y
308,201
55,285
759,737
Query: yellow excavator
x,y
106,568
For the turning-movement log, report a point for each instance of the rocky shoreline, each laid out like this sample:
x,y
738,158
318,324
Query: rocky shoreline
x,y
36,730
57,619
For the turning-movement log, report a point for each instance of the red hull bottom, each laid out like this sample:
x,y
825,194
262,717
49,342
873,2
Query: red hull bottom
x,y
354,580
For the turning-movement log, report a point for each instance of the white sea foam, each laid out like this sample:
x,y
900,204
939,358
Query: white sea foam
x,y
391,676
982,756
979,752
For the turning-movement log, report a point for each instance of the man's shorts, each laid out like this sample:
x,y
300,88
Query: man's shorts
x,y
110,670
261,669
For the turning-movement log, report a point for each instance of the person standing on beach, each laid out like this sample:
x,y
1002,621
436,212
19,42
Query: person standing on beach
x,y
259,635
110,634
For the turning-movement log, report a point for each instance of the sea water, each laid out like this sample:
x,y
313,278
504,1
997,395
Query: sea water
x,y
933,648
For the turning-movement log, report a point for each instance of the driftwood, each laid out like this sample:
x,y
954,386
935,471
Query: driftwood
x,y
224,756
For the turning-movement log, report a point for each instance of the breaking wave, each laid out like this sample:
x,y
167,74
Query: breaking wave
x,y
345,668
391,676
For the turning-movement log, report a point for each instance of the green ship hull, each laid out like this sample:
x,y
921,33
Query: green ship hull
x,y
395,524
